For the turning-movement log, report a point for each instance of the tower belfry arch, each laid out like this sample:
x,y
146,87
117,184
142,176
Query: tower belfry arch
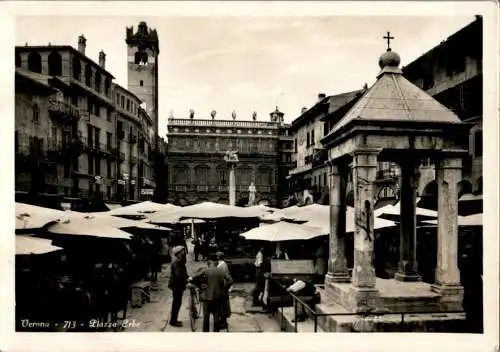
x,y
398,122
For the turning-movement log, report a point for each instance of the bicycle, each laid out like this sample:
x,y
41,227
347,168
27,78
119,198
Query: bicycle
x,y
194,306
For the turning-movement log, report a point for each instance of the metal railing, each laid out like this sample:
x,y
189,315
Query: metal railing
x,y
366,318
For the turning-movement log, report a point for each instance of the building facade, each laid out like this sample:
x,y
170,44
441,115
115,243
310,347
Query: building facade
x,y
196,168
67,135
452,74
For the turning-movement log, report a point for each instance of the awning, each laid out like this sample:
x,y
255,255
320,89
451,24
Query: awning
x,y
141,208
103,218
470,220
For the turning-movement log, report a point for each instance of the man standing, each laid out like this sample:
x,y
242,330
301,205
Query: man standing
x,y
259,276
177,282
226,307
213,284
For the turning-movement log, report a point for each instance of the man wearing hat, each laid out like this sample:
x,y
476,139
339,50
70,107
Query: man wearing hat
x,y
213,281
226,307
177,282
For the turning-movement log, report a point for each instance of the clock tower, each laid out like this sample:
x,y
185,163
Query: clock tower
x,y
142,50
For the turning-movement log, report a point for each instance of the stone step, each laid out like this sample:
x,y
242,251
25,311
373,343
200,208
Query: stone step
x,y
288,325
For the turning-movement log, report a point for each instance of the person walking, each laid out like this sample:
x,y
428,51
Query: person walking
x,y
177,282
213,284
226,306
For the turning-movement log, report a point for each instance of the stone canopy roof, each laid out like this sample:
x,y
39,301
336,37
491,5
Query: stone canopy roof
x,y
393,98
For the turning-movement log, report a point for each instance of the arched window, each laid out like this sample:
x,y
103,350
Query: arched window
x,y
244,176
201,173
141,83
222,175
181,175
88,75
36,113
18,60
97,82
35,62
77,68
265,176
55,64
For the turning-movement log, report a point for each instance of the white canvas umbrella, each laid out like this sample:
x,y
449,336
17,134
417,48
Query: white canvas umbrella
x,y
283,231
392,212
34,217
469,220
206,210
115,221
26,245
142,208
82,227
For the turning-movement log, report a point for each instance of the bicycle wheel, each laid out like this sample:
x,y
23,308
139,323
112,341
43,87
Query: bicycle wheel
x,y
194,312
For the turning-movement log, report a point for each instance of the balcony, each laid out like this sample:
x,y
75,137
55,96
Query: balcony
x,y
223,188
121,156
133,139
133,160
63,111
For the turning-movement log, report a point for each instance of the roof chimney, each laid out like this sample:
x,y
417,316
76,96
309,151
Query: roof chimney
x,y
82,44
321,96
303,110
102,59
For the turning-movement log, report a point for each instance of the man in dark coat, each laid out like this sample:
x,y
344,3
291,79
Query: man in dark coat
x,y
177,283
213,284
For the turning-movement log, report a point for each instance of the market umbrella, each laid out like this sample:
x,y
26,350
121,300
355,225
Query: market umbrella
x,y
469,220
26,245
319,216
116,222
468,204
34,217
192,221
265,208
142,208
392,212
82,227
283,231
206,210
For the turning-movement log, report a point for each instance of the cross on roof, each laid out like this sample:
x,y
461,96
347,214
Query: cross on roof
x,y
388,37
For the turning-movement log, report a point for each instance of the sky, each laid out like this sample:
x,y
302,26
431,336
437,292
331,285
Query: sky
x,y
249,64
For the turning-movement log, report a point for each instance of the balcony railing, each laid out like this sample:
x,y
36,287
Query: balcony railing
x,y
202,188
133,139
220,123
60,109
181,188
133,160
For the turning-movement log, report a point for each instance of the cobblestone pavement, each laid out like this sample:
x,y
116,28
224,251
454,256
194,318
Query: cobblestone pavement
x,y
154,316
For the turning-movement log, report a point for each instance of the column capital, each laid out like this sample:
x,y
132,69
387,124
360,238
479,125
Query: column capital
x,y
365,158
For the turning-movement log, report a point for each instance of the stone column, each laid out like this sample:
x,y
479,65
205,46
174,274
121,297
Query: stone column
x,y
337,264
364,175
408,268
232,184
448,174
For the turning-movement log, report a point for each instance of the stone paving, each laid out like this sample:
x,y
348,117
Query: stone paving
x,y
154,316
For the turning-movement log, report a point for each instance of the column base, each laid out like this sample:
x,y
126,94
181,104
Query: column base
x,y
337,277
451,296
407,277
